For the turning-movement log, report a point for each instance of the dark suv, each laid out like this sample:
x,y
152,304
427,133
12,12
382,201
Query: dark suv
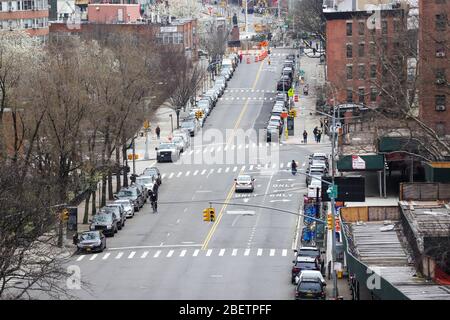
x,y
105,223
310,289
304,263
133,194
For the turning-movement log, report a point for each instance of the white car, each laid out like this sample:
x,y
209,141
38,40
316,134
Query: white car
x,y
167,151
244,182
146,181
179,141
185,134
310,274
312,188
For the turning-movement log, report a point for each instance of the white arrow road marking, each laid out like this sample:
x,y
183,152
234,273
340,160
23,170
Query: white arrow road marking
x,y
119,255
171,175
272,252
208,253
81,257
221,252
183,252
132,255
156,255
93,257
234,253
246,252
196,252
284,252
195,172
282,200
144,254
203,172
170,253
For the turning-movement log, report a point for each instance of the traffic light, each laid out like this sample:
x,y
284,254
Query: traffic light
x,y
212,214
206,216
146,124
330,222
293,113
65,214
198,114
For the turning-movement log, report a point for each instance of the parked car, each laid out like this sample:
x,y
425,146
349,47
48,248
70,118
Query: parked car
x,y
313,175
244,182
226,73
314,184
310,289
91,241
179,141
303,263
290,57
119,211
147,182
273,133
128,207
154,173
313,252
283,98
104,222
219,89
202,53
213,94
185,135
191,125
221,81
133,194
310,274
287,71
205,104
167,152
318,156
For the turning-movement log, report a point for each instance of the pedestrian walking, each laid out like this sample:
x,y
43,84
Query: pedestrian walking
x,y
315,131
240,58
305,136
158,131
321,124
319,135
294,167
314,51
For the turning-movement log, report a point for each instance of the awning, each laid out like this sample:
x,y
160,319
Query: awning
x,y
373,162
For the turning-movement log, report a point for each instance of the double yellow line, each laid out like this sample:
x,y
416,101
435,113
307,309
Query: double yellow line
x,y
230,193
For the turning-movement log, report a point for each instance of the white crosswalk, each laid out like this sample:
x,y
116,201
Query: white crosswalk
x,y
246,98
183,253
248,90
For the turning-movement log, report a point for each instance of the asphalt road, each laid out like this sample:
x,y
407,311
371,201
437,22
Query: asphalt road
x,y
247,252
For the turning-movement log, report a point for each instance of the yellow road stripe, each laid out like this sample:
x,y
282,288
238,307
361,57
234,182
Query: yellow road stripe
x,y
230,193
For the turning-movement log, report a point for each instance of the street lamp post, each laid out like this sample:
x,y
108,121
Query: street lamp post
x,y
171,121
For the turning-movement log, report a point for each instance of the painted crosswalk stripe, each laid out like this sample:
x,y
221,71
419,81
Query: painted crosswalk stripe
x,y
232,98
288,164
204,150
183,252
191,152
156,255
203,172
255,98
272,252
243,90
188,173
179,174
170,253
208,253
93,257
243,168
163,176
246,146
234,253
266,166
259,253
254,145
232,147
251,167
284,252
211,171
119,255
234,169
281,165
81,257
265,98
240,146
221,252
227,169
197,152
106,256
218,149
225,149
196,252
257,90
260,98
195,173
171,175
274,166
131,255
219,170
247,252
237,98
144,254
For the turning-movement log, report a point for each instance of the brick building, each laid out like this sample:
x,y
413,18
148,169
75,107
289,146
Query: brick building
x,y
434,64
28,15
113,13
356,45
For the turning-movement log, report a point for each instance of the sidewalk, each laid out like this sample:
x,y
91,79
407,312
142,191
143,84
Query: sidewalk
x,y
343,289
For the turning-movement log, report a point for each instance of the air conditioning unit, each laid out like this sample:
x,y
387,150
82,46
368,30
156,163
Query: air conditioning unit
x,y
440,54
440,108
440,81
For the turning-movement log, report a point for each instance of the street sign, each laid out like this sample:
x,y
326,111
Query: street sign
x,y
358,163
284,115
333,191
291,92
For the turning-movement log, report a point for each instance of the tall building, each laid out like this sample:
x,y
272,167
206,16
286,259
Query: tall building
x,y
434,64
28,15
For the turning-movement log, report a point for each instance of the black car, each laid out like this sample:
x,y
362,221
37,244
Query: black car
x,y
90,241
303,263
131,193
119,210
104,222
310,289
154,173
309,252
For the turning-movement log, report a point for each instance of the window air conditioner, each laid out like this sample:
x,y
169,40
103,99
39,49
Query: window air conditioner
x,y
440,54
440,81
440,108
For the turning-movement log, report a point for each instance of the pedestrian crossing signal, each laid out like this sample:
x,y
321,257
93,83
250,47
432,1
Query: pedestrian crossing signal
x,y
206,216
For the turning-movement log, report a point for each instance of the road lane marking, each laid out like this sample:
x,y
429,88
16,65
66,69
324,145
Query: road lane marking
x,y
234,169
234,253
163,175
191,152
208,253
274,166
233,147
171,175
144,254
132,255
227,169
119,255
170,253
251,167
221,252
240,146
197,151
183,252
203,172
93,257
204,150
246,146
179,174
259,253
195,253
156,255
81,257
226,148
281,165
272,252
195,173
218,149
243,168
106,256
246,252
219,170
188,173
284,252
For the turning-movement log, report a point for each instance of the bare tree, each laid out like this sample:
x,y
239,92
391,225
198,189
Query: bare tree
x,y
308,17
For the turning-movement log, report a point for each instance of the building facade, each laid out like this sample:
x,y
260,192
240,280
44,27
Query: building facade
x,y
28,15
434,64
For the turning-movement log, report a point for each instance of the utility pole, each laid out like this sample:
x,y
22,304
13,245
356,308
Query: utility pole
x,y
246,15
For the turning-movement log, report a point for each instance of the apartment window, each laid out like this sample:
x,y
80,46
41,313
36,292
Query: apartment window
x,y
384,27
397,25
372,48
373,71
441,22
373,94
361,93
27,23
349,50
440,76
349,28
361,50
440,1
361,28
361,72
440,49
349,72
440,102
349,95
27,4
1,9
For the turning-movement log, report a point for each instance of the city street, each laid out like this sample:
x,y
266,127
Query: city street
x,y
247,252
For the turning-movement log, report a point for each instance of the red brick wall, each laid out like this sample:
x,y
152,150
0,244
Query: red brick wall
x,y
29,14
428,63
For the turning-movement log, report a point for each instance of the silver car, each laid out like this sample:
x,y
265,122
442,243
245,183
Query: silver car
x,y
128,206
244,182
179,141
